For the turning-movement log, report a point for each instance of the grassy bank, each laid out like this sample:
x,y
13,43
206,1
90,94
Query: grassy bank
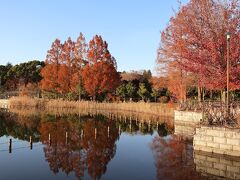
x,y
141,107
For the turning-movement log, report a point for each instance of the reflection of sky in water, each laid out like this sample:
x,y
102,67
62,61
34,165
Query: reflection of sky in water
x,y
133,159
24,163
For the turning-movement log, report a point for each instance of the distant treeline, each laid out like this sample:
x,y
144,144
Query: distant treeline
x,y
23,75
25,79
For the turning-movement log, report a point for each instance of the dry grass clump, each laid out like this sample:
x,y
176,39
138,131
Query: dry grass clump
x,y
24,101
55,103
151,108
120,115
141,107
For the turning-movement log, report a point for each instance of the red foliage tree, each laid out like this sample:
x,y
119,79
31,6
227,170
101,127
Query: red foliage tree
x,y
68,67
196,39
159,82
177,84
66,70
100,74
79,62
50,72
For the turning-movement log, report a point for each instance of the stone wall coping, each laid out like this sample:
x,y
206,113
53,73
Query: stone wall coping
x,y
220,128
178,111
216,155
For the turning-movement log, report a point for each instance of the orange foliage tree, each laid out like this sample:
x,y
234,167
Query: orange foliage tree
x,y
67,66
100,74
73,67
80,52
50,72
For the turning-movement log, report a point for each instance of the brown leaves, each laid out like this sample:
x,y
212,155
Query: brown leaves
x,y
66,67
100,77
100,74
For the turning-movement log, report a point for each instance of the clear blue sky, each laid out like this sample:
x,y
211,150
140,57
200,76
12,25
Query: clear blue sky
x,y
131,27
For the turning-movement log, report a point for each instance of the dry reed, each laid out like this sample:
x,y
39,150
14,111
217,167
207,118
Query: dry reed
x,y
139,107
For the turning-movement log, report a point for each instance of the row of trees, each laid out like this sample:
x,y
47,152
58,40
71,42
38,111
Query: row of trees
x,y
24,79
75,67
53,80
27,79
193,48
89,70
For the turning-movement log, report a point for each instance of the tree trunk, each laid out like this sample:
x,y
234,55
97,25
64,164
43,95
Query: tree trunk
x,y
199,94
203,94
211,94
223,96
185,94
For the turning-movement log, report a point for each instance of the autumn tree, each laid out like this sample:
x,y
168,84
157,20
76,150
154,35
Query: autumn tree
x,y
76,68
64,63
73,59
100,74
50,72
67,66
177,82
159,82
80,60
195,39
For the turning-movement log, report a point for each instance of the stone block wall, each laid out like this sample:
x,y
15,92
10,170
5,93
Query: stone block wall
x,y
217,140
219,166
185,122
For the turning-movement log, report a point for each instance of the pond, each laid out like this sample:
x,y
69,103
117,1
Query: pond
x,y
48,146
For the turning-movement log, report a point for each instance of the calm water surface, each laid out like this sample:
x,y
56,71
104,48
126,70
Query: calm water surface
x,y
86,147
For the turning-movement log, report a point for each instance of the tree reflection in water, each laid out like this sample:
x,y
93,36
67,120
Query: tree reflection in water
x,y
78,153
20,127
174,158
90,143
